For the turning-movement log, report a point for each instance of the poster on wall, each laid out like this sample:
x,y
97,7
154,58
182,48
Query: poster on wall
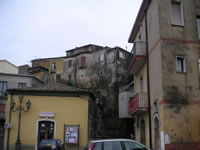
x,y
71,134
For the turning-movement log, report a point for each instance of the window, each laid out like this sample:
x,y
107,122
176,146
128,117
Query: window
x,y
3,88
121,55
21,85
43,76
102,57
133,145
177,12
69,63
97,146
198,26
2,110
114,145
155,106
82,61
111,55
180,64
58,77
70,77
53,67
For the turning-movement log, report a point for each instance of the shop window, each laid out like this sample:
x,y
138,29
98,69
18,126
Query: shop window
x,y
3,88
21,85
69,63
198,26
177,12
180,64
53,67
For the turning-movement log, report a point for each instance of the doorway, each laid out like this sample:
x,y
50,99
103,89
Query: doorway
x,y
45,130
142,132
157,134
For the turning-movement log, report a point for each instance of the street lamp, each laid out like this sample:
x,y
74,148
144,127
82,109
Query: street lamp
x,y
19,108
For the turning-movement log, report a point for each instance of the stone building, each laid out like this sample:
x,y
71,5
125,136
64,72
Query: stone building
x,y
102,70
165,63
99,69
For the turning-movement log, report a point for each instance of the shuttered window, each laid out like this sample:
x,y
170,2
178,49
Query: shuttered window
x,y
83,61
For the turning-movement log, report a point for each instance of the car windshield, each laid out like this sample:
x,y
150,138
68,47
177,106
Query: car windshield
x,y
44,142
133,146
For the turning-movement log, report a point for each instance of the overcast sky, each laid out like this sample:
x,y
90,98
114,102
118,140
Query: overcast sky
x,y
31,29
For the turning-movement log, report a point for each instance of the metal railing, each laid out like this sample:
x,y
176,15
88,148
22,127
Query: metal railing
x,y
138,102
139,49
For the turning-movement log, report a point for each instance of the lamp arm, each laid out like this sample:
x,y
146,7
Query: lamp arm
x,y
14,110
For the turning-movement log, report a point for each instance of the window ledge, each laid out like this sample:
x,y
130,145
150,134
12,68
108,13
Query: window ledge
x,y
181,72
176,25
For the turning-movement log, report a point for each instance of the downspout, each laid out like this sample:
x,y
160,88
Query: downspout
x,y
148,81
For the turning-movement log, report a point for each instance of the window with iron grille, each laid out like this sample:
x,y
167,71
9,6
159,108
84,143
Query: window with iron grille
x,y
3,88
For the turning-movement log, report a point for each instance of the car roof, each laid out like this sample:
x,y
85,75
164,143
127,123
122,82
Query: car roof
x,y
106,140
111,140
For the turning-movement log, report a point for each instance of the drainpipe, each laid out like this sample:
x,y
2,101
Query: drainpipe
x,y
148,81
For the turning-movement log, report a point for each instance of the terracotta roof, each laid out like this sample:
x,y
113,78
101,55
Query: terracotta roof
x,y
51,87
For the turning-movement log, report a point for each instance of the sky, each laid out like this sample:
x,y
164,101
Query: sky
x,y
33,29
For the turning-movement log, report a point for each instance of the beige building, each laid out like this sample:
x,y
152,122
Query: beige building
x,y
166,66
8,67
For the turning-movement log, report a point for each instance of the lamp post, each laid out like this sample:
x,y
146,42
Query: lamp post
x,y
19,108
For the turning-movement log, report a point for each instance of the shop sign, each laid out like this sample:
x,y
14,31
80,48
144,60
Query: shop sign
x,y
47,114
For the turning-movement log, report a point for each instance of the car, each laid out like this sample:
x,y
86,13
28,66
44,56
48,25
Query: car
x,y
51,144
115,144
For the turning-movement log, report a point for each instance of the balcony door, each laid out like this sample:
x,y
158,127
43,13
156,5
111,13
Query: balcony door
x,y
141,85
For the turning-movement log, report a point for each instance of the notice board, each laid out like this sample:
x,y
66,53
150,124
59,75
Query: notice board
x,y
71,134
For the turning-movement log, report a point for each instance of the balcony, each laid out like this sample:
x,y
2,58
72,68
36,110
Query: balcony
x,y
138,104
138,57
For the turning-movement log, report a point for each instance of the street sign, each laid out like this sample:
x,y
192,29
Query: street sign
x,y
8,125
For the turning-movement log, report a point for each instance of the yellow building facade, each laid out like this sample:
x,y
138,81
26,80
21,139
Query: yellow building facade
x,y
52,107
48,68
